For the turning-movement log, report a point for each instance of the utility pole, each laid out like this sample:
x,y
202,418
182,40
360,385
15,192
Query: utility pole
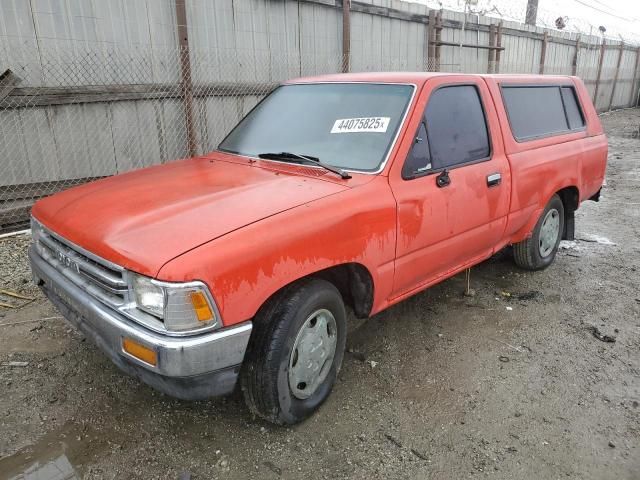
x,y
532,12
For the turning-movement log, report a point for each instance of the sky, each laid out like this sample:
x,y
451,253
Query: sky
x,y
619,17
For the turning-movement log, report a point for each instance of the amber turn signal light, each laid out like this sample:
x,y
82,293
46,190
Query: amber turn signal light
x,y
139,351
201,306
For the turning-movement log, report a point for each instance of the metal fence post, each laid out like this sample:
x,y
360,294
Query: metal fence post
x,y
543,51
185,71
438,39
615,77
346,36
498,50
492,53
634,99
574,62
431,48
595,91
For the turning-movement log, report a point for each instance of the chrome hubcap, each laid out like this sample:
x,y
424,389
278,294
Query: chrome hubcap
x,y
549,232
312,354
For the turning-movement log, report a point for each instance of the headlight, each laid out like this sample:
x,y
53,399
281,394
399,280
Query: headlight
x,y
148,296
182,306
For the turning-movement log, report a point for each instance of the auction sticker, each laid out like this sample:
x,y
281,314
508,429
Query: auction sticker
x,y
362,124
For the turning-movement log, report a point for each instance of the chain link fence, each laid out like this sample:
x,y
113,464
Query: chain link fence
x,y
74,114
80,115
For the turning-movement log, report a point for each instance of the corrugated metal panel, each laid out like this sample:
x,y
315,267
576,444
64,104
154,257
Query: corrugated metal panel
x,y
18,45
559,57
121,42
521,54
320,39
623,93
606,79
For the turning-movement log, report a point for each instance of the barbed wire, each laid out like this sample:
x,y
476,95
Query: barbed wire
x,y
546,18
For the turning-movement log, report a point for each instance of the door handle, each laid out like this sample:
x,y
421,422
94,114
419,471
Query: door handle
x,y
494,180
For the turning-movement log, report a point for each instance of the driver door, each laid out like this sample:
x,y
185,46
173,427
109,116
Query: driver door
x,y
453,189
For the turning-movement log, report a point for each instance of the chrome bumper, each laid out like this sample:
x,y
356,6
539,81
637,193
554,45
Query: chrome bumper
x,y
188,367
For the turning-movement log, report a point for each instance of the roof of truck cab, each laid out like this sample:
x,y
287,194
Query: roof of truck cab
x,y
418,78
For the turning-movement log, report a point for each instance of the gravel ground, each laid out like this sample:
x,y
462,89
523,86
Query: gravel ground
x,y
511,383
15,274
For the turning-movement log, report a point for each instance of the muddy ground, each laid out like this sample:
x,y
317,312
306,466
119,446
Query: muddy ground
x,y
511,383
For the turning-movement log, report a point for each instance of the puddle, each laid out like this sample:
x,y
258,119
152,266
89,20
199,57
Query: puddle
x,y
58,455
588,237
569,245
57,469
578,244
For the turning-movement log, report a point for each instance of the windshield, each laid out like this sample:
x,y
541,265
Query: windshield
x,y
347,125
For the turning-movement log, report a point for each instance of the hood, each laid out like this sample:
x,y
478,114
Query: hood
x,y
141,220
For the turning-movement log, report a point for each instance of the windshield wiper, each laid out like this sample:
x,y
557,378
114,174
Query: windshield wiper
x,y
289,156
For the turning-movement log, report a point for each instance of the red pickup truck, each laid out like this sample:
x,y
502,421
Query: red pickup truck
x,y
355,190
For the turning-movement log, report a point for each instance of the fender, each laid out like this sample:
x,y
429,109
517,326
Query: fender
x,y
527,230
246,267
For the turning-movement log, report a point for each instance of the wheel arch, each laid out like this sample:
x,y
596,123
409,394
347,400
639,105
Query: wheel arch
x,y
570,197
353,280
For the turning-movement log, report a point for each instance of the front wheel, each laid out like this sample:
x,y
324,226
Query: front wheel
x,y
539,251
295,352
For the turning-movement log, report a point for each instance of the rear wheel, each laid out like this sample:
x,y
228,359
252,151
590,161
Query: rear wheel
x,y
539,251
295,352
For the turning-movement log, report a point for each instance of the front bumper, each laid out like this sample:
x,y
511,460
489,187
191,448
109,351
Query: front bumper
x,y
190,368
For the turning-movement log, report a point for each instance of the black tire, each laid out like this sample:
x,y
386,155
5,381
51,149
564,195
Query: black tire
x,y
527,253
264,377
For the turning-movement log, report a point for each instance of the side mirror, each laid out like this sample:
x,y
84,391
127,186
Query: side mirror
x,y
443,179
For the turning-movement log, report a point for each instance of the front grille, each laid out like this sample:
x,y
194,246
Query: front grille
x,y
100,278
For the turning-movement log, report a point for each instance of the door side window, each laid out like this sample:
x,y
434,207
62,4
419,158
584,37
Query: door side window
x,y
419,160
456,126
